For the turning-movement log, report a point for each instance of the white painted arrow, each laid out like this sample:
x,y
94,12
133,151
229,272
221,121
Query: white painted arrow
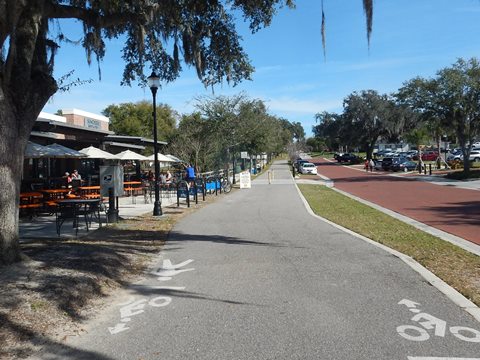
x,y
408,303
118,328
168,269
167,264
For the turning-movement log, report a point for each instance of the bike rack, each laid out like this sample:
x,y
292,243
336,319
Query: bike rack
x,y
183,192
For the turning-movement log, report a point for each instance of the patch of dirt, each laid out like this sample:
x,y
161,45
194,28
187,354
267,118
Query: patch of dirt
x,y
61,283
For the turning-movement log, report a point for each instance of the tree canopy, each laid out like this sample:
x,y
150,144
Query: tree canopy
x,y
450,101
135,119
223,126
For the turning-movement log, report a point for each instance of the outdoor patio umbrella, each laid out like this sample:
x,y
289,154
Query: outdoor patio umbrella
x,y
130,155
174,158
60,151
36,151
161,158
95,153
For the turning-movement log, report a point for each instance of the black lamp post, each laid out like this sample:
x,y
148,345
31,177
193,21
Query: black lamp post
x,y
153,84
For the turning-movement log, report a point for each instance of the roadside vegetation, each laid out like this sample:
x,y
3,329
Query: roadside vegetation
x,y
457,267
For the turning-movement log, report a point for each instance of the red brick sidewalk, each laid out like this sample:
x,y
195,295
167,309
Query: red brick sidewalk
x,y
450,209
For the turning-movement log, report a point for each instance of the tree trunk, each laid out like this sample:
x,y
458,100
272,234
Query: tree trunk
x,y
19,109
11,166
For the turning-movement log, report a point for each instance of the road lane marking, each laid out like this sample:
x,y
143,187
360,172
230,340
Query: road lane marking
x,y
439,358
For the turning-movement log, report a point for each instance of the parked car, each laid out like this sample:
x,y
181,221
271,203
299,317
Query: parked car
x,y
455,154
299,162
388,162
430,155
405,165
308,168
384,152
458,155
474,155
347,157
378,164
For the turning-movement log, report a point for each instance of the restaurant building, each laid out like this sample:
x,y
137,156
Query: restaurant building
x,y
75,129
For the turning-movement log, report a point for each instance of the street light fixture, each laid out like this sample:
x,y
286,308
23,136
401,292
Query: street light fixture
x,y
154,84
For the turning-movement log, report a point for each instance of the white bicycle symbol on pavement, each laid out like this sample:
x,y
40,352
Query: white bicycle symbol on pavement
x,y
429,322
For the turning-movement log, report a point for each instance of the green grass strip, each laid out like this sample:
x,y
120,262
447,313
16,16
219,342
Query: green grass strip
x,y
457,267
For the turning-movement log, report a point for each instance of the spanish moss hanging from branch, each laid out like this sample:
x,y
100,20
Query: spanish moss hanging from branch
x,y
368,8
324,40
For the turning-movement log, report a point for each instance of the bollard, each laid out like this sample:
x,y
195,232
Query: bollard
x,y
429,169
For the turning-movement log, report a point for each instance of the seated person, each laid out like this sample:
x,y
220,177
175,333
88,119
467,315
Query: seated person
x,y
68,179
168,177
163,178
76,175
150,176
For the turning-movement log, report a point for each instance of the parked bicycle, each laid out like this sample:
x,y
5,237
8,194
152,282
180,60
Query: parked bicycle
x,y
226,185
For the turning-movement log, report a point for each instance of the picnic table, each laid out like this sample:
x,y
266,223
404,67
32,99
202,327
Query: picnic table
x,y
74,209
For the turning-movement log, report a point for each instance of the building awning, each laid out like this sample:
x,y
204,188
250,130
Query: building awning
x,y
78,132
137,140
123,145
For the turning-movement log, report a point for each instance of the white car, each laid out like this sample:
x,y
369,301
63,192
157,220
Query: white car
x,y
474,156
308,168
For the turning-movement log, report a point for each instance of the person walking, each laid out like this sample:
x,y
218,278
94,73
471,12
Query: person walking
x,y
371,164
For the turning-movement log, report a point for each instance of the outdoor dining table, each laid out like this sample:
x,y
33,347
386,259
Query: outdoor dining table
x,y
74,209
90,192
55,194
133,188
30,197
30,202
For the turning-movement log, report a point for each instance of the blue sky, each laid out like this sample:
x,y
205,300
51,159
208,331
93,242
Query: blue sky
x,y
410,38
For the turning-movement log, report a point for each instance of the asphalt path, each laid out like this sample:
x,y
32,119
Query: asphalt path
x,y
448,208
254,276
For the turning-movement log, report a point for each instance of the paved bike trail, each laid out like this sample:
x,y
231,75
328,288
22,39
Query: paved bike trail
x,y
255,276
448,208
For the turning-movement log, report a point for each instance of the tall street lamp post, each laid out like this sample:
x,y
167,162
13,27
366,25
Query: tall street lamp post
x,y
153,84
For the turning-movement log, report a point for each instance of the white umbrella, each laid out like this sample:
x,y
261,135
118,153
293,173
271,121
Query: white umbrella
x,y
161,158
130,155
174,158
60,151
95,153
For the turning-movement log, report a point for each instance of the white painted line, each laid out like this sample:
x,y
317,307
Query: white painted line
x,y
439,358
435,281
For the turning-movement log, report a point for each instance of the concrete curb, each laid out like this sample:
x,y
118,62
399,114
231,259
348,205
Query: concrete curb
x,y
431,278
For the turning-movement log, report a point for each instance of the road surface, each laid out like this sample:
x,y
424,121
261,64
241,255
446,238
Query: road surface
x,y
254,276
